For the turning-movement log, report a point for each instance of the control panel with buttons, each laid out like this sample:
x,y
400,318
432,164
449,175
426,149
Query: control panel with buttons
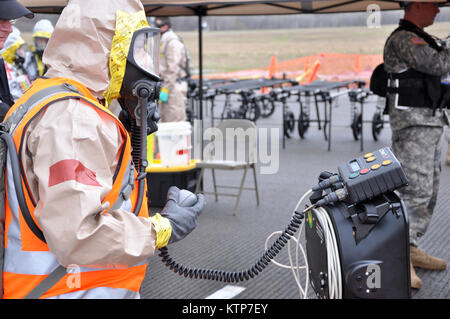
x,y
371,175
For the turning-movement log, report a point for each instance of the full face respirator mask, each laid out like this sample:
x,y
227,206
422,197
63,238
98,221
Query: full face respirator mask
x,y
138,98
141,84
40,44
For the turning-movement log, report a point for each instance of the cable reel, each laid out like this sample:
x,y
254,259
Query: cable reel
x,y
356,232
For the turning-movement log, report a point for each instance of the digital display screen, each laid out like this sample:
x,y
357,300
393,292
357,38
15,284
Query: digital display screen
x,y
354,166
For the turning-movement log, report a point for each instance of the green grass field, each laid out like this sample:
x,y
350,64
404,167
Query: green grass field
x,y
237,50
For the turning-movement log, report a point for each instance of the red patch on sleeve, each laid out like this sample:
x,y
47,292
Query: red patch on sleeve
x,y
71,170
418,41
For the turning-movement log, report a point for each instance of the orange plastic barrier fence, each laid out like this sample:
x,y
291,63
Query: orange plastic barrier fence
x,y
326,66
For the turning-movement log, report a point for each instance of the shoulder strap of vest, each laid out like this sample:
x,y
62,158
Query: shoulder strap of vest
x,y
45,285
406,25
16,117
411,27
126,189
10,124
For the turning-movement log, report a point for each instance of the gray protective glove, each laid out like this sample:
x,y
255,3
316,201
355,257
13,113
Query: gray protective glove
x,y
182,219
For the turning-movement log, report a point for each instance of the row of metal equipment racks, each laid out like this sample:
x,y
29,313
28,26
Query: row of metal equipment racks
x,y
257,98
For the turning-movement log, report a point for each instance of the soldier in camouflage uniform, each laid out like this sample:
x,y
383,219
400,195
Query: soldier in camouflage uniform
x,y
417,131
172,69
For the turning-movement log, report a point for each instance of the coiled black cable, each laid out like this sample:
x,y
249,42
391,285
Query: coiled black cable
x,y
236,276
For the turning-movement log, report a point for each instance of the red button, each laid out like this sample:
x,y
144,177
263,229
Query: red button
x,y
364,171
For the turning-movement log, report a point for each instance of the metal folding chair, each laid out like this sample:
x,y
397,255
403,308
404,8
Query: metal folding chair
x,y
242,136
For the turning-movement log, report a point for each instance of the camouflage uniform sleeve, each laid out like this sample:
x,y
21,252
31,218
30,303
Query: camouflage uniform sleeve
x,y
404,50
418,55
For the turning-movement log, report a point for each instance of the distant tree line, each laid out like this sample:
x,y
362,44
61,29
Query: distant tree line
x,y
264,22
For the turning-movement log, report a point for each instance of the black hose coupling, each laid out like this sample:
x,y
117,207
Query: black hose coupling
x,y
326,183
338,195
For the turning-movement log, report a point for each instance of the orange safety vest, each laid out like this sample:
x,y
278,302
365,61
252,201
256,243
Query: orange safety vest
x,y
27,259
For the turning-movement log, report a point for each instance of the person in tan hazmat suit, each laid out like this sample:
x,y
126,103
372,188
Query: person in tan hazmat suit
x,y
173,94
82,232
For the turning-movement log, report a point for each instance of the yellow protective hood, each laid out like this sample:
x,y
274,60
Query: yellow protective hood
x,y
126,25
81,42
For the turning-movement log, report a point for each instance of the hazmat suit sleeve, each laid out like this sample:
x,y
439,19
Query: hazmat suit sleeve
x,y
69,200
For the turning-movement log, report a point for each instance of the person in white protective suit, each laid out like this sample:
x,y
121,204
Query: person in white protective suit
x,y
173,72
13,54
83,230
42,32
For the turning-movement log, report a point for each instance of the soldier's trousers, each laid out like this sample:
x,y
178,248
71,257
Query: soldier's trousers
x,y
418,148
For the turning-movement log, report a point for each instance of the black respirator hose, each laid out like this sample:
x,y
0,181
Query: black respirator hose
x,y
139,144
135,144
236,276
136,152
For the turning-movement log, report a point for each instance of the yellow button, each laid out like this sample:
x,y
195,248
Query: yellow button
x,y
368,155
386,162
370,159
375,166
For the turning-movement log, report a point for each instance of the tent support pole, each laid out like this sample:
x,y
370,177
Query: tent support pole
x,y
200,78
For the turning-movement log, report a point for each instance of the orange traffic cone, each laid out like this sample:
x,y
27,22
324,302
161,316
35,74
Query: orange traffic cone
x,y
272,67
272,70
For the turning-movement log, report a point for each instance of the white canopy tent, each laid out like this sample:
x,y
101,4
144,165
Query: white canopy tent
x,y
234,7
201,8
